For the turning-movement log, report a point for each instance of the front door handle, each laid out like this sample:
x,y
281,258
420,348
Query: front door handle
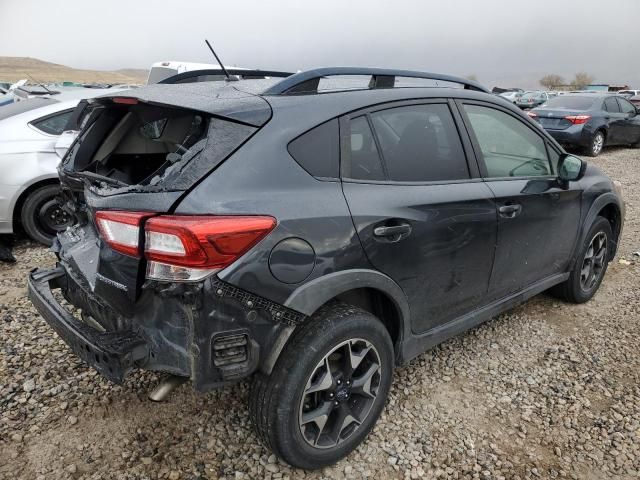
x,y
510,211
393,233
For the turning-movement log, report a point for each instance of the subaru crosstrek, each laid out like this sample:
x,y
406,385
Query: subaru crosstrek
x,y
312,239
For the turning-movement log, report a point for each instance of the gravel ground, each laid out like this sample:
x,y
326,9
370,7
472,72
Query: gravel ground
x,y
548,390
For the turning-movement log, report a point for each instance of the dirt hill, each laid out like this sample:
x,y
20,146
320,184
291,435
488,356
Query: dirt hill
x,y
13,69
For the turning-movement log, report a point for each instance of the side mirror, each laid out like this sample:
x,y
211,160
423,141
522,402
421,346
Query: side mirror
x,y
570,168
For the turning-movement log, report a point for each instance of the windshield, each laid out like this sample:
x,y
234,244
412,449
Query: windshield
x,y
566,102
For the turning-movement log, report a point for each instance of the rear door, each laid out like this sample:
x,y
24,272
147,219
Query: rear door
x,y
537,220
423,215
630,126
616,119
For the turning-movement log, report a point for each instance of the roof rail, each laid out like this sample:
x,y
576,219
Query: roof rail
x,y
185,76
308,81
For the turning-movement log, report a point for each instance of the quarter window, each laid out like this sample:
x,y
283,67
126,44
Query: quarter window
x,y
509,147
54,124
420,143
318,150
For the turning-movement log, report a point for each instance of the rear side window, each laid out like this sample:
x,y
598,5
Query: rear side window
x,y
318,150
420,143
610,105
53,124
365,161
625,106
509,147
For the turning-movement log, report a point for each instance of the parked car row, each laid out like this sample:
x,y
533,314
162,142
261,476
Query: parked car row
x,y
257,228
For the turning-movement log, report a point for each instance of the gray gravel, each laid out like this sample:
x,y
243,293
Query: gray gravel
x,y
549,390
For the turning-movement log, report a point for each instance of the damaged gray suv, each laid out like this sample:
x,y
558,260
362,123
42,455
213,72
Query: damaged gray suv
x,y
312,239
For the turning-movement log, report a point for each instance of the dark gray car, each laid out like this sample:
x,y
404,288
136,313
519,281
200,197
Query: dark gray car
x,y
312,240
590,121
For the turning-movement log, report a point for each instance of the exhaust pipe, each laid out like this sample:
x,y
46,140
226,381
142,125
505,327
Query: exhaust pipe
x,y
165,387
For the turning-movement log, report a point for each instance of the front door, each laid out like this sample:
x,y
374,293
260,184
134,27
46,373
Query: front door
x,y
538,220
630,126
422,214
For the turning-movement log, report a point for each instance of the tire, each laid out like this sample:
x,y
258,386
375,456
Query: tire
x,y
42,215
283,403
575,289
596,144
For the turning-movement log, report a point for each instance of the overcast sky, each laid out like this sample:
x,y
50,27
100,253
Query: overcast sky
x,y
497,40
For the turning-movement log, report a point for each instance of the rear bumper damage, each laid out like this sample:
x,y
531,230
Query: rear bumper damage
x,y
210,332
113,354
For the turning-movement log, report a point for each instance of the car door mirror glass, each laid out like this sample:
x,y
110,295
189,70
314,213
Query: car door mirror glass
x,y
571,168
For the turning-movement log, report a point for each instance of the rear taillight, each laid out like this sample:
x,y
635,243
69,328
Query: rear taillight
x,y
188,248
182,248
531,114
578,119
121,230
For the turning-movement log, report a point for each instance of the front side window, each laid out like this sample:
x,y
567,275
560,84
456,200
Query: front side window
x,y
420,143
509,147
54,124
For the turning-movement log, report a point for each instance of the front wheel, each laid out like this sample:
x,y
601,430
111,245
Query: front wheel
x,y
590,266
328,388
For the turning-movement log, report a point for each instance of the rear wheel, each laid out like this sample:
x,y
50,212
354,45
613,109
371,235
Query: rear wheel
x,y
42,214
591,264
327,389
596,144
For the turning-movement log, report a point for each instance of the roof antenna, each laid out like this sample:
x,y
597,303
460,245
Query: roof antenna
x,y
40,84
229,77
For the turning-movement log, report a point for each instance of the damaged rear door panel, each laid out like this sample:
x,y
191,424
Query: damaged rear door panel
x,y
141,155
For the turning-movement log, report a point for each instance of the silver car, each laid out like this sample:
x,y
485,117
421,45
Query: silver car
x,y
31,146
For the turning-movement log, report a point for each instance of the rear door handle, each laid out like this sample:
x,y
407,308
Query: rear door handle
x,y
393,233
510,211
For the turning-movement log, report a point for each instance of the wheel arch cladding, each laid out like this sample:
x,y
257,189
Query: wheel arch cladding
x,y
612,213
608,206
368,289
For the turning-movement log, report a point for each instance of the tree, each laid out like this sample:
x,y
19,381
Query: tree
x,y
551,81
581,80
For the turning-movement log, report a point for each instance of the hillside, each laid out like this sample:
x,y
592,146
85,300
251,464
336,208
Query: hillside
x,y
13,69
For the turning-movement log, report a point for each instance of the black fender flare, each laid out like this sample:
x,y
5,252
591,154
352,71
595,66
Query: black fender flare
x,y
599,203
309,297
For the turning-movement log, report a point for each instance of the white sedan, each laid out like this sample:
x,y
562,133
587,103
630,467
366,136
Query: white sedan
x,y
31,146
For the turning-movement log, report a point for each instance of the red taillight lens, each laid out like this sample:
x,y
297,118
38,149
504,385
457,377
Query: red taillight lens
x,y
125,100
531,114
121,230
578,119
191,247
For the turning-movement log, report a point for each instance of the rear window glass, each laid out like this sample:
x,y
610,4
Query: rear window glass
x,y
567,102
24,106
529,95
152,146
318,150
